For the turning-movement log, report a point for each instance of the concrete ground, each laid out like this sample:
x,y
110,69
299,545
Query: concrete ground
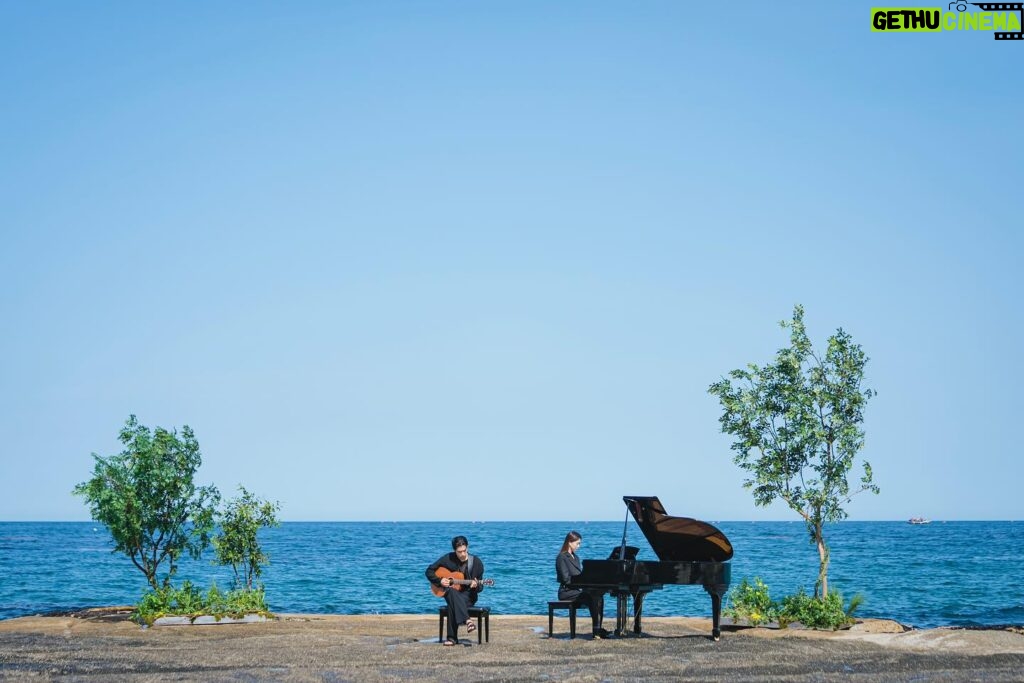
x,y
102,645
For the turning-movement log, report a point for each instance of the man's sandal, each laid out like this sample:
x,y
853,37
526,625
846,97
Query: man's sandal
x,y
449,643
470,626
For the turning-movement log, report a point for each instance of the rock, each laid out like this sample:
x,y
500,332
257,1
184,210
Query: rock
x,y
878,626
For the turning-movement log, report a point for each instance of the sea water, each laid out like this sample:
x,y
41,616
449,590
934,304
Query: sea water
x,y
943,573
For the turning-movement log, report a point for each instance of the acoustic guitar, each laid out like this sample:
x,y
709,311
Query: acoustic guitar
x,y
458,581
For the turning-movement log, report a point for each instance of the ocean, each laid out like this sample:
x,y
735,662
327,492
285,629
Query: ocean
x,y
943,573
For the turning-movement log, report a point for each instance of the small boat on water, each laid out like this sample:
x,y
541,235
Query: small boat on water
x,y
919,520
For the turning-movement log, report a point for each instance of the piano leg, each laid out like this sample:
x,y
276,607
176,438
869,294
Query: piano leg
x,y
716,616
716,592
621,605
638,608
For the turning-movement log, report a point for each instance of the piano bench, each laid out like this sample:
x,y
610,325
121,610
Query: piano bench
x,y
570,605
478,612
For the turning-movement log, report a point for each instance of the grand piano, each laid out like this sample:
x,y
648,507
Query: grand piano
x,y
689,551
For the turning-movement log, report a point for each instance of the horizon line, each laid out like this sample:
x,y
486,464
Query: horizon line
x,y
519,521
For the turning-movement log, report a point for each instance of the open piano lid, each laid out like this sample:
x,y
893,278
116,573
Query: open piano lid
x,y
677,538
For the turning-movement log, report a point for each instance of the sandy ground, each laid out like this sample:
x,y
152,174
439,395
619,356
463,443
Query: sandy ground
x,y
102,645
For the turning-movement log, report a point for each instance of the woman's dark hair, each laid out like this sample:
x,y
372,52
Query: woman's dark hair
x,y
569,538
459,540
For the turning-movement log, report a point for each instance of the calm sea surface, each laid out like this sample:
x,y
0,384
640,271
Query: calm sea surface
x,y
955,573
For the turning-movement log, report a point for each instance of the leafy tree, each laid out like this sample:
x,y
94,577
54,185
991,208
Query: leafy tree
x,y
797,425
237,543
147,498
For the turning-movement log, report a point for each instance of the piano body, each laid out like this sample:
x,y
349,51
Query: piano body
x,y
689,551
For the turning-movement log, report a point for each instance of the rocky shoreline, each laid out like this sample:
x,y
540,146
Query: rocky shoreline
x,y
103,645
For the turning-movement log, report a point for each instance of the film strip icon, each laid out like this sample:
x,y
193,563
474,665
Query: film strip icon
x,y
1005,7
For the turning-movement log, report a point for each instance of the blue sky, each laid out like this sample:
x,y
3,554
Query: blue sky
x,y
481,261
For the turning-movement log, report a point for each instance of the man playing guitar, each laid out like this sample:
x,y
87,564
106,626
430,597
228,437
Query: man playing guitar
x,y
459,592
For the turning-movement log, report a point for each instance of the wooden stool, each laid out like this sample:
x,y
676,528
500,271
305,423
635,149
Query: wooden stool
x,y
478,612
562,604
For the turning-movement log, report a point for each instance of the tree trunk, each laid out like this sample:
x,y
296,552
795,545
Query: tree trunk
x,y
823,557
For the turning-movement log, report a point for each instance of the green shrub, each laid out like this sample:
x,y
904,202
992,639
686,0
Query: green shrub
x,y
751,603
154,604
216,601
248,601
815,612
189,601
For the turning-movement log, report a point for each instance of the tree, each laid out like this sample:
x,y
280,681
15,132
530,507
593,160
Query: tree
x,y
797,423
237,543
147,498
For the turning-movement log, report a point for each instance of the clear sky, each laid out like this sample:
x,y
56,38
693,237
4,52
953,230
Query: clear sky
x,y
481,260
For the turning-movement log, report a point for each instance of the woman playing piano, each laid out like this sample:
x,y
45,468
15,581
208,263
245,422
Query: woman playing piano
x,y
567,565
